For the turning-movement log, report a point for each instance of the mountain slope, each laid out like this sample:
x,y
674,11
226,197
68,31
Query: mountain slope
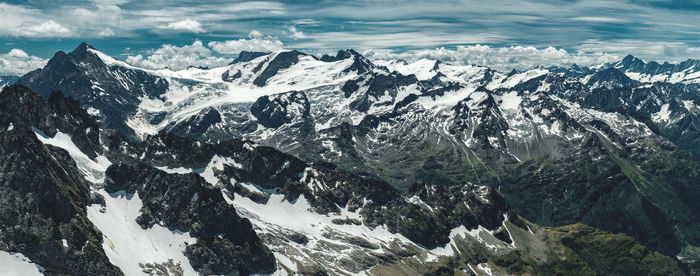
x,y
196,205
685,72
53,177
7,80
44,197
112,88
581,138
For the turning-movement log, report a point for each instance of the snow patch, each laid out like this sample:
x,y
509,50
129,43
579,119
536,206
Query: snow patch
x,y
110,61
663,115
127,245
218,163
511,101
93,111
16,264
93,170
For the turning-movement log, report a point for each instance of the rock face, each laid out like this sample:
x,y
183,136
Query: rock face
x,y
89,76
226,243
197,125
280,62
640,70
7,80
46,195
274,111
42,206
245,56
430,212
610,78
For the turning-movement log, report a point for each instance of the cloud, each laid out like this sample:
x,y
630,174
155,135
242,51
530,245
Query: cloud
x,y
48,28
294,33
417,39
106,32
28,22
650,50
17,63
177,58
255,34
306,21
364,24
500,58
600,19
256,42
187,25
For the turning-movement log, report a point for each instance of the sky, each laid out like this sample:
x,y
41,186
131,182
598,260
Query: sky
x,y
505,34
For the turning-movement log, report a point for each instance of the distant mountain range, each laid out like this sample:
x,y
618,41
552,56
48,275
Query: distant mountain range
x,y
287,162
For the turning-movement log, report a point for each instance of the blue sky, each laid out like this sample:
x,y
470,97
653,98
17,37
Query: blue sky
x,y
518,33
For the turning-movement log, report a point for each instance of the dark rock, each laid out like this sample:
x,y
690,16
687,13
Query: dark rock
x,y
245,56
226,76
44,196
276,110
226,243
282,61
196,125
82,75
298,238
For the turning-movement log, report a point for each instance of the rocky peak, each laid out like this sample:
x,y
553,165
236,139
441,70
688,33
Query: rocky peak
x,y
114,91
281,61
672,72
341,55
511,73
82,50
610,78
436,65
276,110
631,63
360,63
80,57
245,56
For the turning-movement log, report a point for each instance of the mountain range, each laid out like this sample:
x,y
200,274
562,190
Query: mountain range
x,y
285,162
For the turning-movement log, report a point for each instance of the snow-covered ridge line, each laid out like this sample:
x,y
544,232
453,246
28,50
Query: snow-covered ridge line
x,y
93,170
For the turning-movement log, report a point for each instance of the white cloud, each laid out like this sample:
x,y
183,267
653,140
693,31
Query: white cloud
x,y
256,42
106,32
187,25
177,58
600,19
17,63
109,2
306,21
20,20
294,33
418,39
650,50
255,34
49,28
500,58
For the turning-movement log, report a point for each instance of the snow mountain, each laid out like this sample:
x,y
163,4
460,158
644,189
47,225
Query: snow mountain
x,y
556,146
685,72
79,199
